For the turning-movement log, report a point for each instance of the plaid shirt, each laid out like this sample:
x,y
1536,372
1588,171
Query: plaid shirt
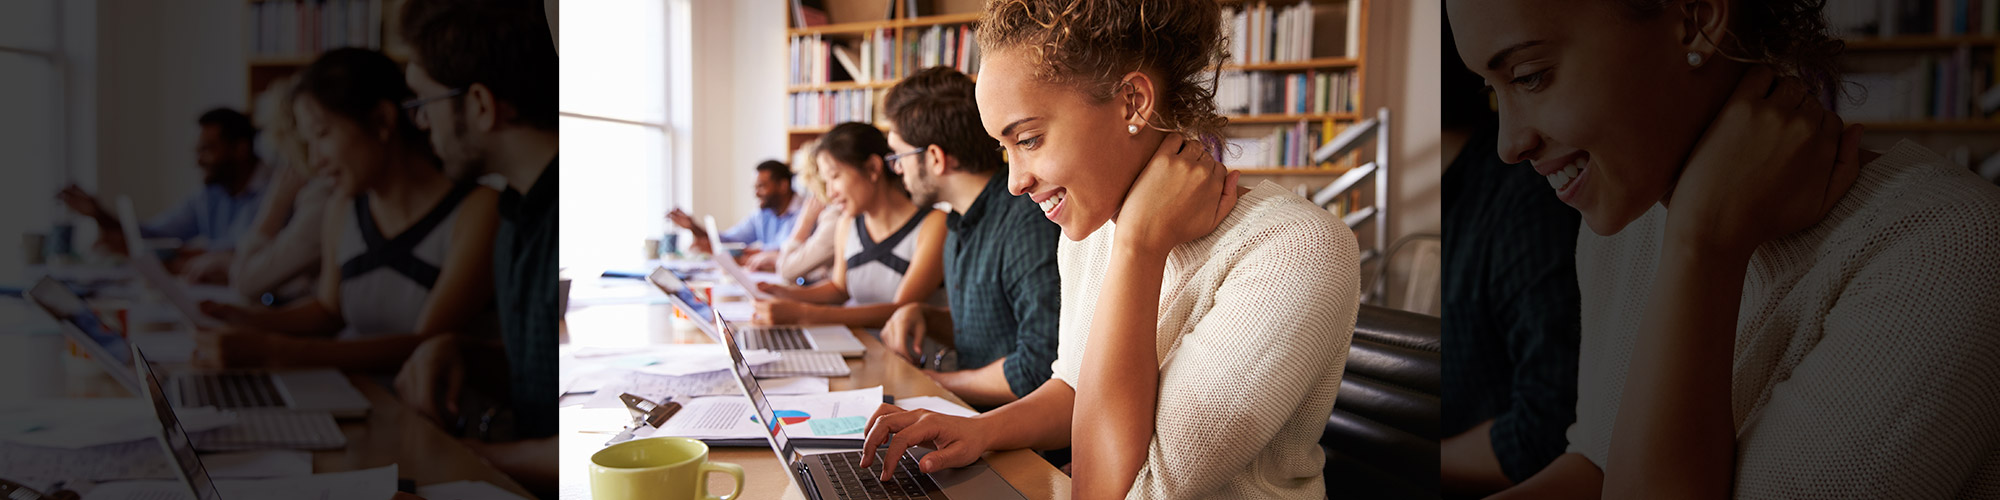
x,y
524,283
1510,347
1005,291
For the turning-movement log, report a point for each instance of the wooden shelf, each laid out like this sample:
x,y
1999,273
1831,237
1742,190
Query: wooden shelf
x,y
1317,63
1255,119
1968,126
1292,170
969,17
280,61
822,129
868,26
841,86
1917,42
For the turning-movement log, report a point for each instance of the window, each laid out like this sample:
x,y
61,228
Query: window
x,y
31,131
615,130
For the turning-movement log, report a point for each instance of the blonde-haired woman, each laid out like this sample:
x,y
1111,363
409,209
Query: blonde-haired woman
x,y
1203,327
277,260
808,256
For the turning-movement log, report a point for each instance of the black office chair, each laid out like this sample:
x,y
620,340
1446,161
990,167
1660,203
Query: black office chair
x,y
1382,439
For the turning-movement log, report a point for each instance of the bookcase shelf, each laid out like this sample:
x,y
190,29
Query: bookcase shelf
x,y
328,25
1921,42
1964,126
1269,119
1315,63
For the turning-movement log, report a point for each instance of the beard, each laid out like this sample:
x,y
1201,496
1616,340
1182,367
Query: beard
x,y
460,161
923,188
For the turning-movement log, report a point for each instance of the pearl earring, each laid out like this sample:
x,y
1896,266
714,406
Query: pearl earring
x,y
1694,59
1132,129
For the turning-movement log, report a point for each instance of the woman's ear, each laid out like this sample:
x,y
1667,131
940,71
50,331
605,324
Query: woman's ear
x,y
1137,95
1704,24
383,120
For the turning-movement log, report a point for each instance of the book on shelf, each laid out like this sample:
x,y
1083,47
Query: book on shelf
x,y
1894,18
1951,86
1285,146
823,108
955,45
1264,32
299,28
1250,93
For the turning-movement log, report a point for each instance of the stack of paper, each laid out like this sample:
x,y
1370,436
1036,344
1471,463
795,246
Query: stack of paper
x,y
839,415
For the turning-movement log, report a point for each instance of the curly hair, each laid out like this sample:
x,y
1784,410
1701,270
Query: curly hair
x,y
1789,35
1092,44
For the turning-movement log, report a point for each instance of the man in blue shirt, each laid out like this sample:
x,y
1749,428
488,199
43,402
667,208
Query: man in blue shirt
x,y
230,196
777,216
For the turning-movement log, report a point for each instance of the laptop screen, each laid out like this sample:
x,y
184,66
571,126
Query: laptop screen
x,y
682,297
68,308
175,438
765,415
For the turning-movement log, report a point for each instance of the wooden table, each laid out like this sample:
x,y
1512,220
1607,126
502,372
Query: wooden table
x,y
395,434
764,476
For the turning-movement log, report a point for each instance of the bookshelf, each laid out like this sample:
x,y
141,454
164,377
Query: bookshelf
x,y
888,31
282,37
1924,71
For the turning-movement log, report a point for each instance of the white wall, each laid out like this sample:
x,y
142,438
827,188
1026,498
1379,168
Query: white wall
x,y
159,66
733,113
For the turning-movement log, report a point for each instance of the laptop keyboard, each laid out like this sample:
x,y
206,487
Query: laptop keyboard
x,y
778,338
850,480
273,429
803,364
230,390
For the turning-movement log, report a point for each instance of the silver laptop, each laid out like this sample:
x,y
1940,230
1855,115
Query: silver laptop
x,y
823,338
307,389
790,363
253,429
838,475
319,390
174,438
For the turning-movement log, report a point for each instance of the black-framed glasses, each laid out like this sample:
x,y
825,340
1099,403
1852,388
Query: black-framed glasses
x,y
891,159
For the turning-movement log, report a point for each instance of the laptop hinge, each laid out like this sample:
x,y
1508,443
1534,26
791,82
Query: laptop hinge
x,y
804,473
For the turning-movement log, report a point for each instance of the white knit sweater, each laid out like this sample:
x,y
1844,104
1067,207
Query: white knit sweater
x,y
1867,359
1254,325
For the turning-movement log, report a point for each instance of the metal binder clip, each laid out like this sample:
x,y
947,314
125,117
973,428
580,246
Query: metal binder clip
x,y
644,413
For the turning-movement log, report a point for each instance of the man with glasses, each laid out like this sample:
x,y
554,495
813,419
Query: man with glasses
x,y
1000,252
485,76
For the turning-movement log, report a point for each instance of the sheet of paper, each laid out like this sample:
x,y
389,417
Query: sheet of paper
x,y
167,347
378,482
38,467
258,464
936,404
465,490
658,388
736,311
732,417
794,385
83,423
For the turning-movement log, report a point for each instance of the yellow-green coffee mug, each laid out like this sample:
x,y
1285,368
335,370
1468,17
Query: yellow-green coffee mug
x,y
665,468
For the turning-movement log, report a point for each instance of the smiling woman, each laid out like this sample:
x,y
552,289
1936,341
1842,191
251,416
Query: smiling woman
x,y
1110,127
1767,311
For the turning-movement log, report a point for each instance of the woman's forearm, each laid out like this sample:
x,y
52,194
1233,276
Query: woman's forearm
x,y
865,316
380,355
1675,436
306,318
1119,383
824,292
1040,421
